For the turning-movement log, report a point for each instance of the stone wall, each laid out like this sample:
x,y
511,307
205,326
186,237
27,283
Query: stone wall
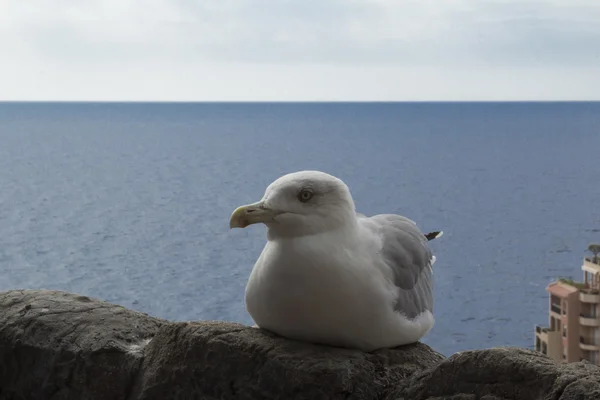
x,y
57,345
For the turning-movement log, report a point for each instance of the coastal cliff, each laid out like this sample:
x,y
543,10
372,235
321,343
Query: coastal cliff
x,y
58,345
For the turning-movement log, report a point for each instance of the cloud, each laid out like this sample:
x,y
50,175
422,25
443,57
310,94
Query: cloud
x,y
212,37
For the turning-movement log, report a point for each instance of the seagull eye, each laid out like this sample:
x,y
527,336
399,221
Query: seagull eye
x,y
305,195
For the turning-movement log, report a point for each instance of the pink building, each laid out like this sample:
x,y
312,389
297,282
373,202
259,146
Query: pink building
x,y
573,333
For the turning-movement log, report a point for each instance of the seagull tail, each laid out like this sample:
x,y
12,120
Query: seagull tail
x,y
433,235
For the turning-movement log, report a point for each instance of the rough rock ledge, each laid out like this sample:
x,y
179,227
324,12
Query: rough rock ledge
x,y
57,345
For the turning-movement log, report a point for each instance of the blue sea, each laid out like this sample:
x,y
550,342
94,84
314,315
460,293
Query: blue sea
x,y
130,202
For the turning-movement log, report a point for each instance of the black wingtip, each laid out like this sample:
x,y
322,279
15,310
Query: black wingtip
x,y
433,235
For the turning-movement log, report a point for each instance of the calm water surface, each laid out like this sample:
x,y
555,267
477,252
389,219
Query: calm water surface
x,y
131,202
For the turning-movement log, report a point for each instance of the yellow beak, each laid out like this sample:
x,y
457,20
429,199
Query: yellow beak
x,y
251,214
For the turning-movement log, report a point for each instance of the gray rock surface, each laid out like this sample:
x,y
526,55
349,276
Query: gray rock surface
x,y
506,373
57,345
232,361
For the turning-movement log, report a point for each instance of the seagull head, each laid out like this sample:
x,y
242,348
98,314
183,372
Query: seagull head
x,y
299,204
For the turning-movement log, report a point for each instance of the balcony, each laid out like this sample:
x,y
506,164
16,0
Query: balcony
x,y
593,260
588,320
589,344
548,341
541,333
541,329
555,308
591,265
589,296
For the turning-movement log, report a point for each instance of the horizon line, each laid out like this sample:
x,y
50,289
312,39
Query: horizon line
x,y
292,101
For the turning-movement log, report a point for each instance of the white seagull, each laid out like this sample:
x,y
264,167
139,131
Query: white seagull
x,y
330,276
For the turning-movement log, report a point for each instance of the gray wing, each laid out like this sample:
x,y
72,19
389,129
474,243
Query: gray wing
x,y
405,250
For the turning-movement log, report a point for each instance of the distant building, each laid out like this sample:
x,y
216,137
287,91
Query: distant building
x,y
574,318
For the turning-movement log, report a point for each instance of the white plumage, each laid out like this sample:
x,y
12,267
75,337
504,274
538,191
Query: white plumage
x,y
329,275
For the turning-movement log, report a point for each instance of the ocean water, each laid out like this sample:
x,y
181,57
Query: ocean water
x,y
131,202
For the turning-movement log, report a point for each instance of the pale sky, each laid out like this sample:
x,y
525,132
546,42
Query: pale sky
x,y
299,50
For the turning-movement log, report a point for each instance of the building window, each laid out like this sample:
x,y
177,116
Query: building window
x,y
555,304
594,357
